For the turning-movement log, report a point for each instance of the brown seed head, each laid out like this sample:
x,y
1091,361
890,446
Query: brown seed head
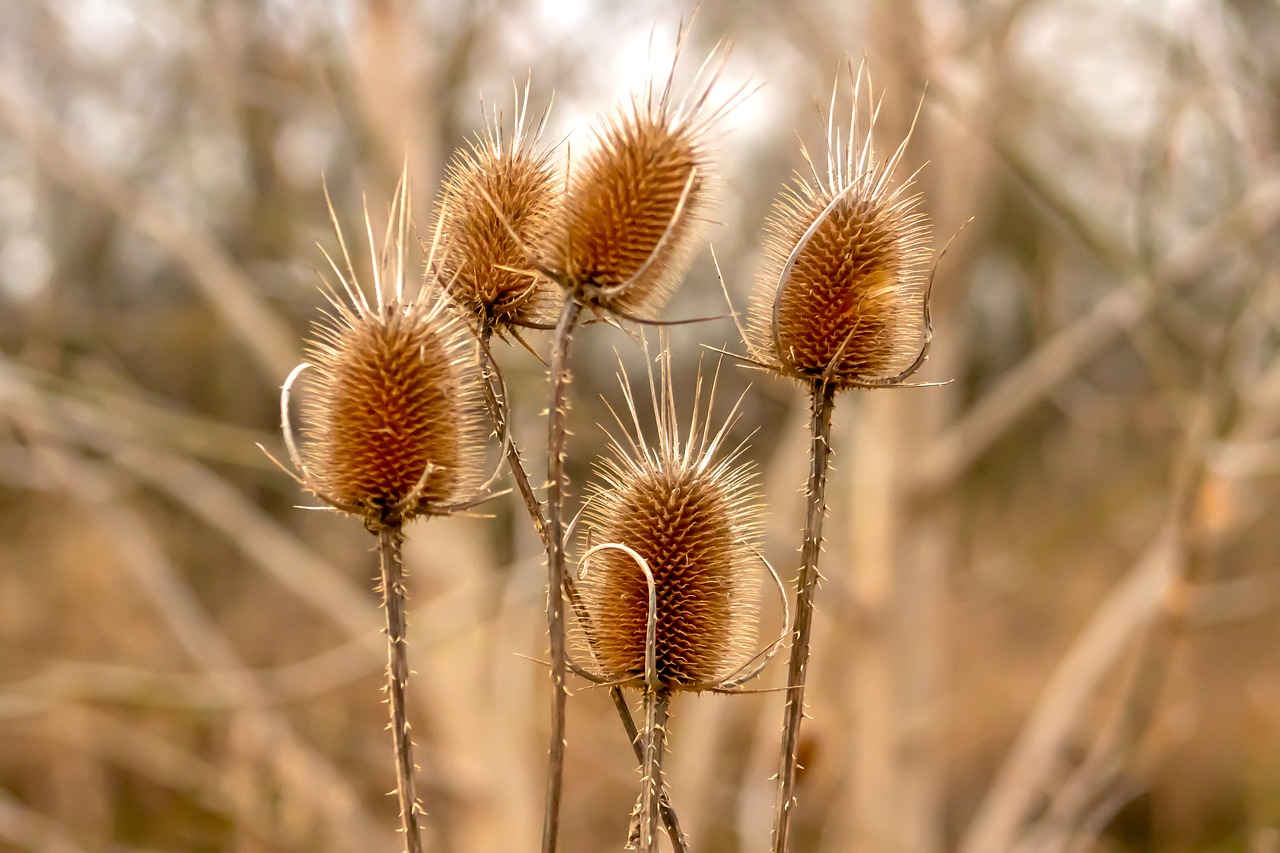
x,y
841,286
636,204
697,523
493,189
392,423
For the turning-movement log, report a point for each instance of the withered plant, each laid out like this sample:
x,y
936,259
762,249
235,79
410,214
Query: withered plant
x,y
392,428
669,569
841,301
634,208
500,199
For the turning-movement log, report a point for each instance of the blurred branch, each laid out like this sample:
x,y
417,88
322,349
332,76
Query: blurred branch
x,y
306,775
30,830
1035,753
232,294
1036,376
211,498
136,749
444,620
160,423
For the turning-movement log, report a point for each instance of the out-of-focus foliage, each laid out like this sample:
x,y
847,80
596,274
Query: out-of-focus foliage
x,y
1051,612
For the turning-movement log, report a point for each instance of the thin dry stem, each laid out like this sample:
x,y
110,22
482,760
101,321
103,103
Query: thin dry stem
x,y
823,402
657,703
393,599
495,398
569,315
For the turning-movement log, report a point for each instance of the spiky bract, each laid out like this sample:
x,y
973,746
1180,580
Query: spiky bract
x,y
696,521
841,283
637,204
491,190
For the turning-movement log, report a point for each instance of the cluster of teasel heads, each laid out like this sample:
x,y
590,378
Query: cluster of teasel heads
x,y
665,598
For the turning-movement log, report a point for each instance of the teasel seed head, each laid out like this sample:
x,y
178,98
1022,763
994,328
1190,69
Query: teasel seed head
x,y
842,284
638,201
498,199
692,512
392,421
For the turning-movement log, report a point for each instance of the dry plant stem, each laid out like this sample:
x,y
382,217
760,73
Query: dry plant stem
x,y
823,402
393,597
534,507
555,565
514,463
669,817
657,703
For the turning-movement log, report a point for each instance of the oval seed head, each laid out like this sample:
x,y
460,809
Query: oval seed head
x,y
637,204
497,201
697,523
392,424
841,286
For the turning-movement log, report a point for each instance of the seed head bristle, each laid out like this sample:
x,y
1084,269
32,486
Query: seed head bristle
x,y
841,284
693,513
638,201
493,188
392,419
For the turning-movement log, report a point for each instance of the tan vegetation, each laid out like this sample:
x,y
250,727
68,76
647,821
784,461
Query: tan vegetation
x,y
1049,609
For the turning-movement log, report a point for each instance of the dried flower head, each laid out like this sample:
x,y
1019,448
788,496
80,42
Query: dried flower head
x,y
695,521
841,286
638,201
498,199
392,423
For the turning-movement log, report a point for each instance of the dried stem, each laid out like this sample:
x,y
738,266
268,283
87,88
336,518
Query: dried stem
x,y
393,598
555,565
498,413
823,402
669,817
524,486
657,703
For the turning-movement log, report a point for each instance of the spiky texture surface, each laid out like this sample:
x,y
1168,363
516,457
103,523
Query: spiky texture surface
x,y
481,262
392,416
393,392
842,300
697,522
623,220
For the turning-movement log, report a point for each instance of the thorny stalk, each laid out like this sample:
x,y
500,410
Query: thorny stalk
x,y
498,413
669,817
555,565
657,703
822,395
501,426
390,539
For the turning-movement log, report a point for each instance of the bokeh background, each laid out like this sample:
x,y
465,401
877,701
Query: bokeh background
x,y
1051,613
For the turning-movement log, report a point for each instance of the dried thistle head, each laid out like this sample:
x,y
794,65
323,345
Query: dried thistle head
x,y
498,199
692,513
841,286
392,424
637,203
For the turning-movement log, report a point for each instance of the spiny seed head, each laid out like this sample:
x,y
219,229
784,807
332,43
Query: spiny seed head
x,y
697,522
841,286
392,423
491,190
637,203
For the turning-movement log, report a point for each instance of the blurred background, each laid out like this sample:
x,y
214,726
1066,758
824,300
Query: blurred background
x,y
1051,610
